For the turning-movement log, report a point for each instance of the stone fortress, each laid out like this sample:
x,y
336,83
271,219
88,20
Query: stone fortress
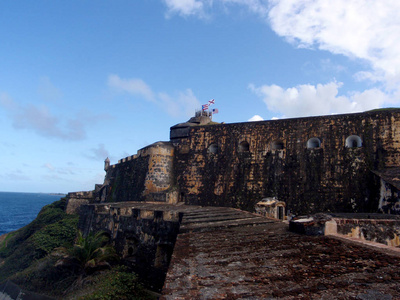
x,y
346,163
337,163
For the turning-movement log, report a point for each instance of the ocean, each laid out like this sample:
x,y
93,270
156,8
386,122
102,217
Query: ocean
x,y
19,209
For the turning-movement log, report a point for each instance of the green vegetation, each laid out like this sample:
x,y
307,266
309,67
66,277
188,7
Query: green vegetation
x,y
50,256
52,228
118,283
88,254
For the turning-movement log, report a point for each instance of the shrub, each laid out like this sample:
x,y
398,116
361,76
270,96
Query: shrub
x,y
51,228
117,284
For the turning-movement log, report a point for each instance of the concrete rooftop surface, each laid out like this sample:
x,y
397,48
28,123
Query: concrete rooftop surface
x,y
224,253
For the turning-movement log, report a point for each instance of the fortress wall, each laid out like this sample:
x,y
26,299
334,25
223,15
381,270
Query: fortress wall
x,y
125,181
76,199
160,173
144,176
237,164
142,234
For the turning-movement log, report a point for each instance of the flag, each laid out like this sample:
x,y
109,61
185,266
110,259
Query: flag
x,y
212,101
204,107
215,110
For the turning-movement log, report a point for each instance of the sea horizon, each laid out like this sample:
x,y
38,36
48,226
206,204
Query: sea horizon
x,y
18,209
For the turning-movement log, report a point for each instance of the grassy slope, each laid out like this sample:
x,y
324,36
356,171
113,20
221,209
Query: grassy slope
x,y
52,228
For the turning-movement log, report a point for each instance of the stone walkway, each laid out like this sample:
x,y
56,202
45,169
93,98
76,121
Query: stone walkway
x,y
223,253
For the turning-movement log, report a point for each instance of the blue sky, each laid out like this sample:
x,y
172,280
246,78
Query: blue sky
x,y
83,80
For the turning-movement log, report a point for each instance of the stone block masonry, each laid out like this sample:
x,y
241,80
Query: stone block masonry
x,y
143,234
146,176
312,164
76,199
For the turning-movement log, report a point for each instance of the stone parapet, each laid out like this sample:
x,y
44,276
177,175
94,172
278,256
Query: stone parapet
x,y
379,228
75,200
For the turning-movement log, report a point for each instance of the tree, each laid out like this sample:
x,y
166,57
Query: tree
x,y
88,254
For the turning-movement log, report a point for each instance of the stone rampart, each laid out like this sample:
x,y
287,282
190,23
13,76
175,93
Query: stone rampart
x,y
312,164
378,228
143,234
335,163
76,199
148,175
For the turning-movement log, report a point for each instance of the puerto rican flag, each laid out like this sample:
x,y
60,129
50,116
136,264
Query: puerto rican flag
x,y
204,107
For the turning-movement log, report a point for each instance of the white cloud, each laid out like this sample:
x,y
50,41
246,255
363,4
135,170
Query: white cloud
x,y
57,170
37,118
7,102
322,99
255,118
49,166
183,103
18,176
99,153
48,91
14,175
198,8
364,29
185,7
42,121
133,86
259,7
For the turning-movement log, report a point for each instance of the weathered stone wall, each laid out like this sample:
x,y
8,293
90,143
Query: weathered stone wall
x,y
76,199
239,164
143,235
125,180
148,175
380,231
389,201
374,227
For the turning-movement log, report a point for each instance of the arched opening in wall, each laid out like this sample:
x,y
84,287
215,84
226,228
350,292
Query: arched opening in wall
x,y
353,141
313,143
277,145
213,148
244,147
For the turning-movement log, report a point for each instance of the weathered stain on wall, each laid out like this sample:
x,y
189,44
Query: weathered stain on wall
x,y
380,231
313,164
148,175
